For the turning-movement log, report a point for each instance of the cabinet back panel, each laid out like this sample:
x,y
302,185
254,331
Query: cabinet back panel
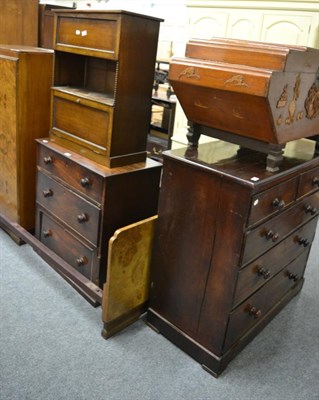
x,y
89,73
100,75
69,69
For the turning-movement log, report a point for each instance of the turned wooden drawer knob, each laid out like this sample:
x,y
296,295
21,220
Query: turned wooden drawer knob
x,y
276,203
263,272
315,181
255,312
310,209
293,277
85,182
47,192
48,160
304,242
82,218
47,233
81,261
272,235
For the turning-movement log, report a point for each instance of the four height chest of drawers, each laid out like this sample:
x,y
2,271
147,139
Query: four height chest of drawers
x,y
231,245
80,204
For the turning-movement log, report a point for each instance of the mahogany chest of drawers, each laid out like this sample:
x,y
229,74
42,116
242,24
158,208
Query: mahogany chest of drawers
x,y
231,245
103,79
80,204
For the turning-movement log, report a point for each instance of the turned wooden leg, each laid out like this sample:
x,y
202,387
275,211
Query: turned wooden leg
x,y
274,158
193,134
316,139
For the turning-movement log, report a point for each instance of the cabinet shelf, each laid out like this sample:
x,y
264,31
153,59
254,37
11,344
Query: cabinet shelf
x,y
103,98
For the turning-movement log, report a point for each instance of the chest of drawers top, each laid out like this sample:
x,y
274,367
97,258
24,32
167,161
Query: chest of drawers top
x,y
78,173
249,169
264,194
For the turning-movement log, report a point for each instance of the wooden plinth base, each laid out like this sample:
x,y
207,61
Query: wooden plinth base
x,y
91,292
211,362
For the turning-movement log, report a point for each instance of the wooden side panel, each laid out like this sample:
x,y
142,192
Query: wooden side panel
x,y
231,213
233,112
8,135
138,45
183,246
128,274
34,118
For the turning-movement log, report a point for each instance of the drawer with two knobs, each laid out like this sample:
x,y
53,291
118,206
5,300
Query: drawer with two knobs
x,y
75,212
62,166
262,269
58,238
268,234
246,315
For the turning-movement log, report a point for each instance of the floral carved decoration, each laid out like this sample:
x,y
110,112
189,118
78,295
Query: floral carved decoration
x,y
312,102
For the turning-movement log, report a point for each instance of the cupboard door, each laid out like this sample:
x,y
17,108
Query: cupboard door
x,y
277,28
80,35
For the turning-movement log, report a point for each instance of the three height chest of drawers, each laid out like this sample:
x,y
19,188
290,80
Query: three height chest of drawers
x,y
103,80
80,204
231,246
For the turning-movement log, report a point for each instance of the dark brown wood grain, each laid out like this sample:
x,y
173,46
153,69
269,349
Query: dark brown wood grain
x,y
216,279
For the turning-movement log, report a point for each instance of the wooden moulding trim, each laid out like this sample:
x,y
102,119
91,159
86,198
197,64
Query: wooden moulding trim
x,y
209,361
274,5
89,290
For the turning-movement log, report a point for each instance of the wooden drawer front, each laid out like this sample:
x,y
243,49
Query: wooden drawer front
x,y
79,121
272,201
254,308
268,234
78,177
257,273
70,208
78,35
309,181
65,245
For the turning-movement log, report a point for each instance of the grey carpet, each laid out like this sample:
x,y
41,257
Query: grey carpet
x,y
51,347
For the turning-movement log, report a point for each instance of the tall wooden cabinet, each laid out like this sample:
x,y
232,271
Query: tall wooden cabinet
x,y
231,245
26,75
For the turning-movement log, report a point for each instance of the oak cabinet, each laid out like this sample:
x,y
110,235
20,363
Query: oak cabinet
x,y
103,72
